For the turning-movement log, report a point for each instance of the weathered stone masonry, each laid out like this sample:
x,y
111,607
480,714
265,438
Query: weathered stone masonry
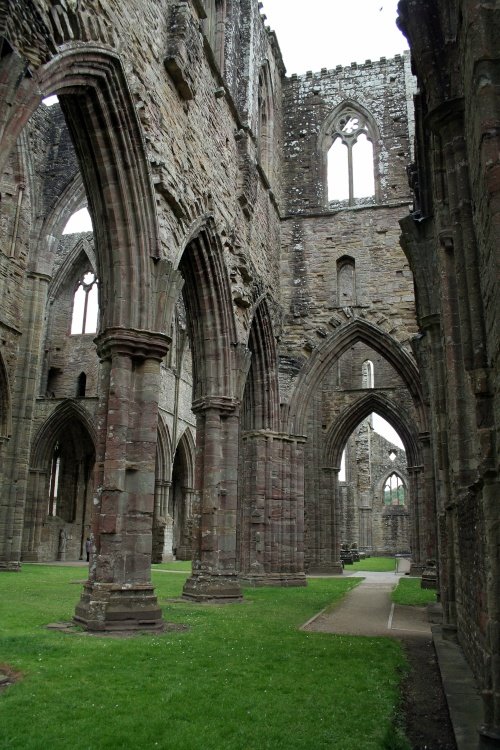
x,y
248,325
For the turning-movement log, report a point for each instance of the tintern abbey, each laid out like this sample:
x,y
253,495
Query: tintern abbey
x,y
276,263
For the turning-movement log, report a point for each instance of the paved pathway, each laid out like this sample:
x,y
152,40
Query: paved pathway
x,y
368,610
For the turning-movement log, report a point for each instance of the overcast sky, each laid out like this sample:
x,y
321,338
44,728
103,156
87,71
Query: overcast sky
x,y
324,33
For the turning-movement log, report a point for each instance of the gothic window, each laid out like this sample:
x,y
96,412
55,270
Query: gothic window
x,y
346,282
368,374
214,28
266,121
394,491
85,305
81,385
350,158
55,470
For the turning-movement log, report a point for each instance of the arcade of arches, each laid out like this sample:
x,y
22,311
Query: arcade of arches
x,y
184,380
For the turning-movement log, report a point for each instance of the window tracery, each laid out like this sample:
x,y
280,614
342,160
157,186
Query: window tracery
x,y
350,158
394,490
85,305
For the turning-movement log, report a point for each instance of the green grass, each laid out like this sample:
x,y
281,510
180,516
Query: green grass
x,y
177,566
409,592
242,678
374,565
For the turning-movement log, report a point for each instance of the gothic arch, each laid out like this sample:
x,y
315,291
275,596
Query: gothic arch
x,y
100,114
82,254
210,316
334,346
350,418
326,137
163,469
67,414
187,444
261,400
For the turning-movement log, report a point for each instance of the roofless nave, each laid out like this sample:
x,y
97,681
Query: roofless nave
x,y
255,307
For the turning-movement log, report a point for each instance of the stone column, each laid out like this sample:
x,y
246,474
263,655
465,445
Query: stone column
x,y
420,523
215,574
15,456
328,552
119,594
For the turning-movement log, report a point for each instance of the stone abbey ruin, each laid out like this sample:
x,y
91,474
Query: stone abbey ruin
x,y
186,379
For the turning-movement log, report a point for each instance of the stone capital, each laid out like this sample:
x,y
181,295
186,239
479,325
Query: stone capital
x,y
132,343
225,405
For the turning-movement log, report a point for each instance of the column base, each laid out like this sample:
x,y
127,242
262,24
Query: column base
x,y
326,569
9,566
416,569
488,738
203,587
113,607
283,580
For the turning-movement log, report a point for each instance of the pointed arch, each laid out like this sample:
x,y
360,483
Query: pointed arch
x,y
164,456
340,430
80,256
93,93
261,399
69,415
334,346
5,402
210,315
188,447
335,128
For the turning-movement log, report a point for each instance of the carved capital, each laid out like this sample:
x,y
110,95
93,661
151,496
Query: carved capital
x,y
132,343
223,404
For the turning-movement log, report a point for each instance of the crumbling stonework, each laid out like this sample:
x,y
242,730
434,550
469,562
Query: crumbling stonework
x,y
250,322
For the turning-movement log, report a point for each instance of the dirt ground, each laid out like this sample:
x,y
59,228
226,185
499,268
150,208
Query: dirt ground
x,y
426,718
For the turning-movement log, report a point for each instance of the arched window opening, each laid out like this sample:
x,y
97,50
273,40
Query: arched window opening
x,y
368,374
81,385
394,491
80,221
55,470
346,282
85,305
362,166
342,471
350,160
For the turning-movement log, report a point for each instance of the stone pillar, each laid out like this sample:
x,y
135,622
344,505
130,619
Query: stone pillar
x,y
420,523
271,539
119,594
15,456
215,574
328,540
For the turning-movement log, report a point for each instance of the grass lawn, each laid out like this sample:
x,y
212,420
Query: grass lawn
x,y
176,565
409,592
242,678
373,564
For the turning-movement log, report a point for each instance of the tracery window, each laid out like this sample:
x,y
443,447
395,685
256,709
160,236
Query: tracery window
x,y
85,305
350,158
394,491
